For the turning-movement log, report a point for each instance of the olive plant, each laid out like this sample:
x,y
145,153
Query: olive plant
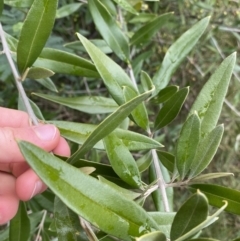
x,y
103,198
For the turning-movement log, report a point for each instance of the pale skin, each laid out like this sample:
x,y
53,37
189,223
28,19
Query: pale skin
x,y
17,179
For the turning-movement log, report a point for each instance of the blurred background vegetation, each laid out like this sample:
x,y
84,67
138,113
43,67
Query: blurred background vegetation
x,y
221,39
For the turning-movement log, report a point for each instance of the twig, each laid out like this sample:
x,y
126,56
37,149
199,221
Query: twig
x,y
17,78
41,225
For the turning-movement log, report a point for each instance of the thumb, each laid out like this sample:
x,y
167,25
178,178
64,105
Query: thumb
x,y
44,136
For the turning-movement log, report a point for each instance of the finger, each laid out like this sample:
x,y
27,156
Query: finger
x,y
62,149
28,185
44,136
13,118
8,198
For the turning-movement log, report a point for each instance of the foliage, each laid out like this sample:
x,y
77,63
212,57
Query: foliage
x,y
104,180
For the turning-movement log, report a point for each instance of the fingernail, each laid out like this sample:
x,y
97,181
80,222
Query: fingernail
x,y
37,188
45,132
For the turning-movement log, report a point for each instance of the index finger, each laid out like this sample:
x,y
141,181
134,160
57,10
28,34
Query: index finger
x,y
13,118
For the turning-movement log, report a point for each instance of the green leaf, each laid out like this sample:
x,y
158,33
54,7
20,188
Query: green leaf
x,y
210,100
122,160
39,73
35,32
204,239
165,94
144,162
143,18
167,159
146,33
67,9
193,212
209,176
205,151
19,3
20,225
109,29
139,114
177,52
79,132
1,7
146,81
187,144
65,63
47,83
67,223
164,221
100,43
216,194
109,124
87,104
126,6
94,201
171,108
153,236
127,193
211,219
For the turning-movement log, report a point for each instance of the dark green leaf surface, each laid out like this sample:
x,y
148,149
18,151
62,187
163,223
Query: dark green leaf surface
x,y
216,194
165,94
210,100
20,225
146,81
167,159
109,29
171,108
87,104
153,236
146,33
1,7
66,63
144,162
79,132
193,212
187,144
35,32
108,125
122,160
205,151
67,223
177,52
94,201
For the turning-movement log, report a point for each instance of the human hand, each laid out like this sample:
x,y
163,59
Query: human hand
x,y
17,179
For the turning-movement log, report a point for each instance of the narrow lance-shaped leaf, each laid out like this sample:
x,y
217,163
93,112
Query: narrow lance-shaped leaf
x,y
216,194
187,144
126,5
79,132
153,236
94,201
145,33
87,104
165,94
35,32
205,151
139,114
177,52
67,223
67,9
114,78
146,81
20,225
109,124
210,100
109,29
193,212
171,108
122,160
47,83
39,73
19,3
